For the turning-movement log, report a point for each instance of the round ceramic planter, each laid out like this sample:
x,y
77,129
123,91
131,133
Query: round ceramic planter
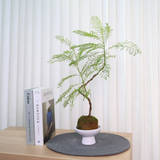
x,y
88,135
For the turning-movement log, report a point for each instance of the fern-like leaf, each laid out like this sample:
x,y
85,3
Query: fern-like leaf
x,y
78,59
64,79
105,72
107,32
65,93
65,41
127,45
97,25
86,34
58,58
70,98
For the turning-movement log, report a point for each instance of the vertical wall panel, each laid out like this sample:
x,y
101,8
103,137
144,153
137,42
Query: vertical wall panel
x,y
45,43
36,48
28,45
135,79
84,25
74,15
55,49
128,67
147,82
154,77
159,72
112,102
21,59
121,81
65,71
28,48
141,70
97,82
1,5
28,54
13,62
105,82
5,53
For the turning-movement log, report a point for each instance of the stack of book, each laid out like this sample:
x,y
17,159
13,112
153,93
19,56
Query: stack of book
x,y
39,115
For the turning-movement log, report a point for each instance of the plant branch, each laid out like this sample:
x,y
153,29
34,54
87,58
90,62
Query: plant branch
x,y
84,87
97,72
89,101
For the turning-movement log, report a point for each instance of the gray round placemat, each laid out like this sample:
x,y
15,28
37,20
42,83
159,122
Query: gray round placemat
x,y
106,144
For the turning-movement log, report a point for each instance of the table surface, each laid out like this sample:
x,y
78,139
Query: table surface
x,y
13,146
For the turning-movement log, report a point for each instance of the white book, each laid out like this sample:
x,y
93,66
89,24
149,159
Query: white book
x,y
29,116
44,116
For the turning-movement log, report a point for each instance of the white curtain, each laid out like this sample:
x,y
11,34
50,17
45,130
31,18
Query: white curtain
x,y
127,102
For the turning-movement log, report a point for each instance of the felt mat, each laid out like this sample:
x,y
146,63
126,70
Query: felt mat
x,y
106,144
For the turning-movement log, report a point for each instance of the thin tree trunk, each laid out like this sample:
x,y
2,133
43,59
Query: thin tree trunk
x,y
90,107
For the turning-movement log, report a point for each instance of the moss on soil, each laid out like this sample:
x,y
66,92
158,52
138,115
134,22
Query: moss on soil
x,y
87,123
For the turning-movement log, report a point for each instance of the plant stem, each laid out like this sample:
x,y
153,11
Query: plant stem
x,y
90,103
98,71
84,84
89,100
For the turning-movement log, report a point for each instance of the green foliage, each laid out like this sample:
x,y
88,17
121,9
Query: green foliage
x,y
128,46
97,26
86,34
64,79
66,94
70,98
65,41
95,56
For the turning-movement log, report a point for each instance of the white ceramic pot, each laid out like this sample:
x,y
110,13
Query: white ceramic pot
x,y
88,135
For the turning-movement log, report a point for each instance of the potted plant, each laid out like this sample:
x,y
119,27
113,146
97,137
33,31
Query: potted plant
x,y
96,56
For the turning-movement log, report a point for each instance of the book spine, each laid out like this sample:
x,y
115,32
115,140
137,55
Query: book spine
x,y
38,117
29,117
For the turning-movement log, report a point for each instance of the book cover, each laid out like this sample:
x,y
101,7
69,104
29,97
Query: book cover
x,y
29,116
44,115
